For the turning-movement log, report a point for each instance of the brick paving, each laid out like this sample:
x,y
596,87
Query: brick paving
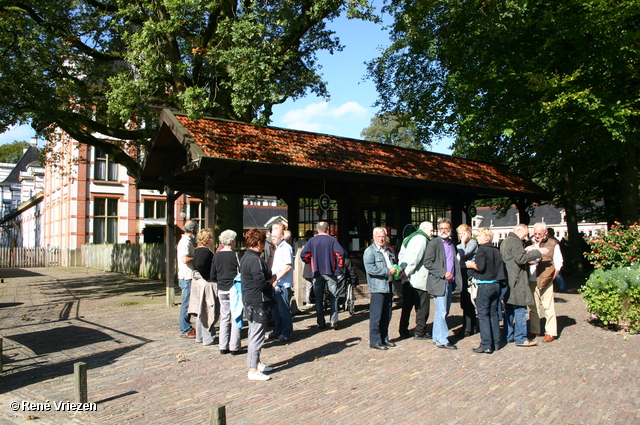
x,y
121,328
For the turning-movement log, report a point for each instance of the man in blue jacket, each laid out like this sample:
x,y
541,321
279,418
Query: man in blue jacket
x,y
326,257
378,262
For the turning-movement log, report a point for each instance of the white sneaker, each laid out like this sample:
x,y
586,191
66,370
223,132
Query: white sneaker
x,y
257,376
264,368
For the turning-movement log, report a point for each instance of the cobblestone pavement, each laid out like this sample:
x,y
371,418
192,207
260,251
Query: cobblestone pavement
x,y
140,371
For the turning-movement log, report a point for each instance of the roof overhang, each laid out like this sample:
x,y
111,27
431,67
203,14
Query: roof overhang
x,y
243,158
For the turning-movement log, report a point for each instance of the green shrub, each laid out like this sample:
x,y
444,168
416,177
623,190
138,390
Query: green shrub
x,y
620,247
613,297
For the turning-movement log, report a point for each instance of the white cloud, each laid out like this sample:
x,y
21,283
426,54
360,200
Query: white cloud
x,y
347,119
323,110
349,108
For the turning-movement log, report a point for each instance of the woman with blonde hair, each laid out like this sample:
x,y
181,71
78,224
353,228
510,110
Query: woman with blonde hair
x,y
202,257
489,272
467,251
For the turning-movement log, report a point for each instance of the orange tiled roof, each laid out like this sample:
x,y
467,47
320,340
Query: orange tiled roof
x,y
245,142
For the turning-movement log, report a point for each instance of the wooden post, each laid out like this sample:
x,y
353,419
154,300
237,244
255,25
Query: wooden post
x,y
170,246
0,355
210,207
80,380
218,414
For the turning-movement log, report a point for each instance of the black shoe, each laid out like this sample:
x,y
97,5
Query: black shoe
x,y
224,351
389,343
323,326
238,352
447,346
481,350
422,337
379,346
405,335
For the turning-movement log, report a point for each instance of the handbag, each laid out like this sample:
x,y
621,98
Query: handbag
x,y
473,289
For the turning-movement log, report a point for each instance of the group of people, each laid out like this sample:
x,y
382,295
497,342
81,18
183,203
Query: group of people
x,y
517,278
210,290
497,284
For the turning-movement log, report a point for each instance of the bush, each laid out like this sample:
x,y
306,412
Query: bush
x,y
620,247
613,297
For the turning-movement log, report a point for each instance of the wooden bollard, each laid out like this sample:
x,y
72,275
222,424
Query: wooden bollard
x,y
80,379
218,414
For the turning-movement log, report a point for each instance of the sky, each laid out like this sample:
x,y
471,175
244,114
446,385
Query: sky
x,y
350,107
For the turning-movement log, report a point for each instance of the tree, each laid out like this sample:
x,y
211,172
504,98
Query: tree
x,y
547,88
12,152
103,67
388,130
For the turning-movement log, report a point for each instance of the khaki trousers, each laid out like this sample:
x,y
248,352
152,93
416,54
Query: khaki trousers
x,y
544,301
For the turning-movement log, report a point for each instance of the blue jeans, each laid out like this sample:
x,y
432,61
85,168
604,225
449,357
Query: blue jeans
x,y
440,332
282,312
185,319
379,317
516,323
487,304
319,283
560,281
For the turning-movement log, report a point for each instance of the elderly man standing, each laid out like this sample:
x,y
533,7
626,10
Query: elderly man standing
x,y
282,269
378,262
541,282
326,257
519,296
414,289
185,275
444,279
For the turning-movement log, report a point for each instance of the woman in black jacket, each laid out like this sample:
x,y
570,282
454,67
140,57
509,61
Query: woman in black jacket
x,y
490,271
257,282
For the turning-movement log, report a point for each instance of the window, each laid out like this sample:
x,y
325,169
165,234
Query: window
x,y
105,220
155,208
196,213
104,168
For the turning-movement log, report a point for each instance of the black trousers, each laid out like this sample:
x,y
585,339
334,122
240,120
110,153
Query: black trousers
x,y
420,300
468,309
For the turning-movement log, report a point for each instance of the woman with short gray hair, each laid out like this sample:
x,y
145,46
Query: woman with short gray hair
x,y
224,268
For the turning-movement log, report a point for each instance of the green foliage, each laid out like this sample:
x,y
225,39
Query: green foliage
x,y
613,297
105,67
12,152
388,130
546,88
619,247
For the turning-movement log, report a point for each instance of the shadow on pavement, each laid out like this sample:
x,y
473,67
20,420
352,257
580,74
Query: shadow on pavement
x,y
315,353
31,375
58,339
13,273
110,285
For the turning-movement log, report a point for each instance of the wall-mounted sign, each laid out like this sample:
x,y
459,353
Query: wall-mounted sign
x,y
408,229
324,201
472,210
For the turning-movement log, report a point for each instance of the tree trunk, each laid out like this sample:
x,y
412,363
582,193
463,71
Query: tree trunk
x,y
576,260
523,214
629,185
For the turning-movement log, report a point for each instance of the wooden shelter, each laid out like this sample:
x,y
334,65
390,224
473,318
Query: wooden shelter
x,y
353,184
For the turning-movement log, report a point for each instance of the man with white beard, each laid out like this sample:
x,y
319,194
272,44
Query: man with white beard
x,y
444,279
